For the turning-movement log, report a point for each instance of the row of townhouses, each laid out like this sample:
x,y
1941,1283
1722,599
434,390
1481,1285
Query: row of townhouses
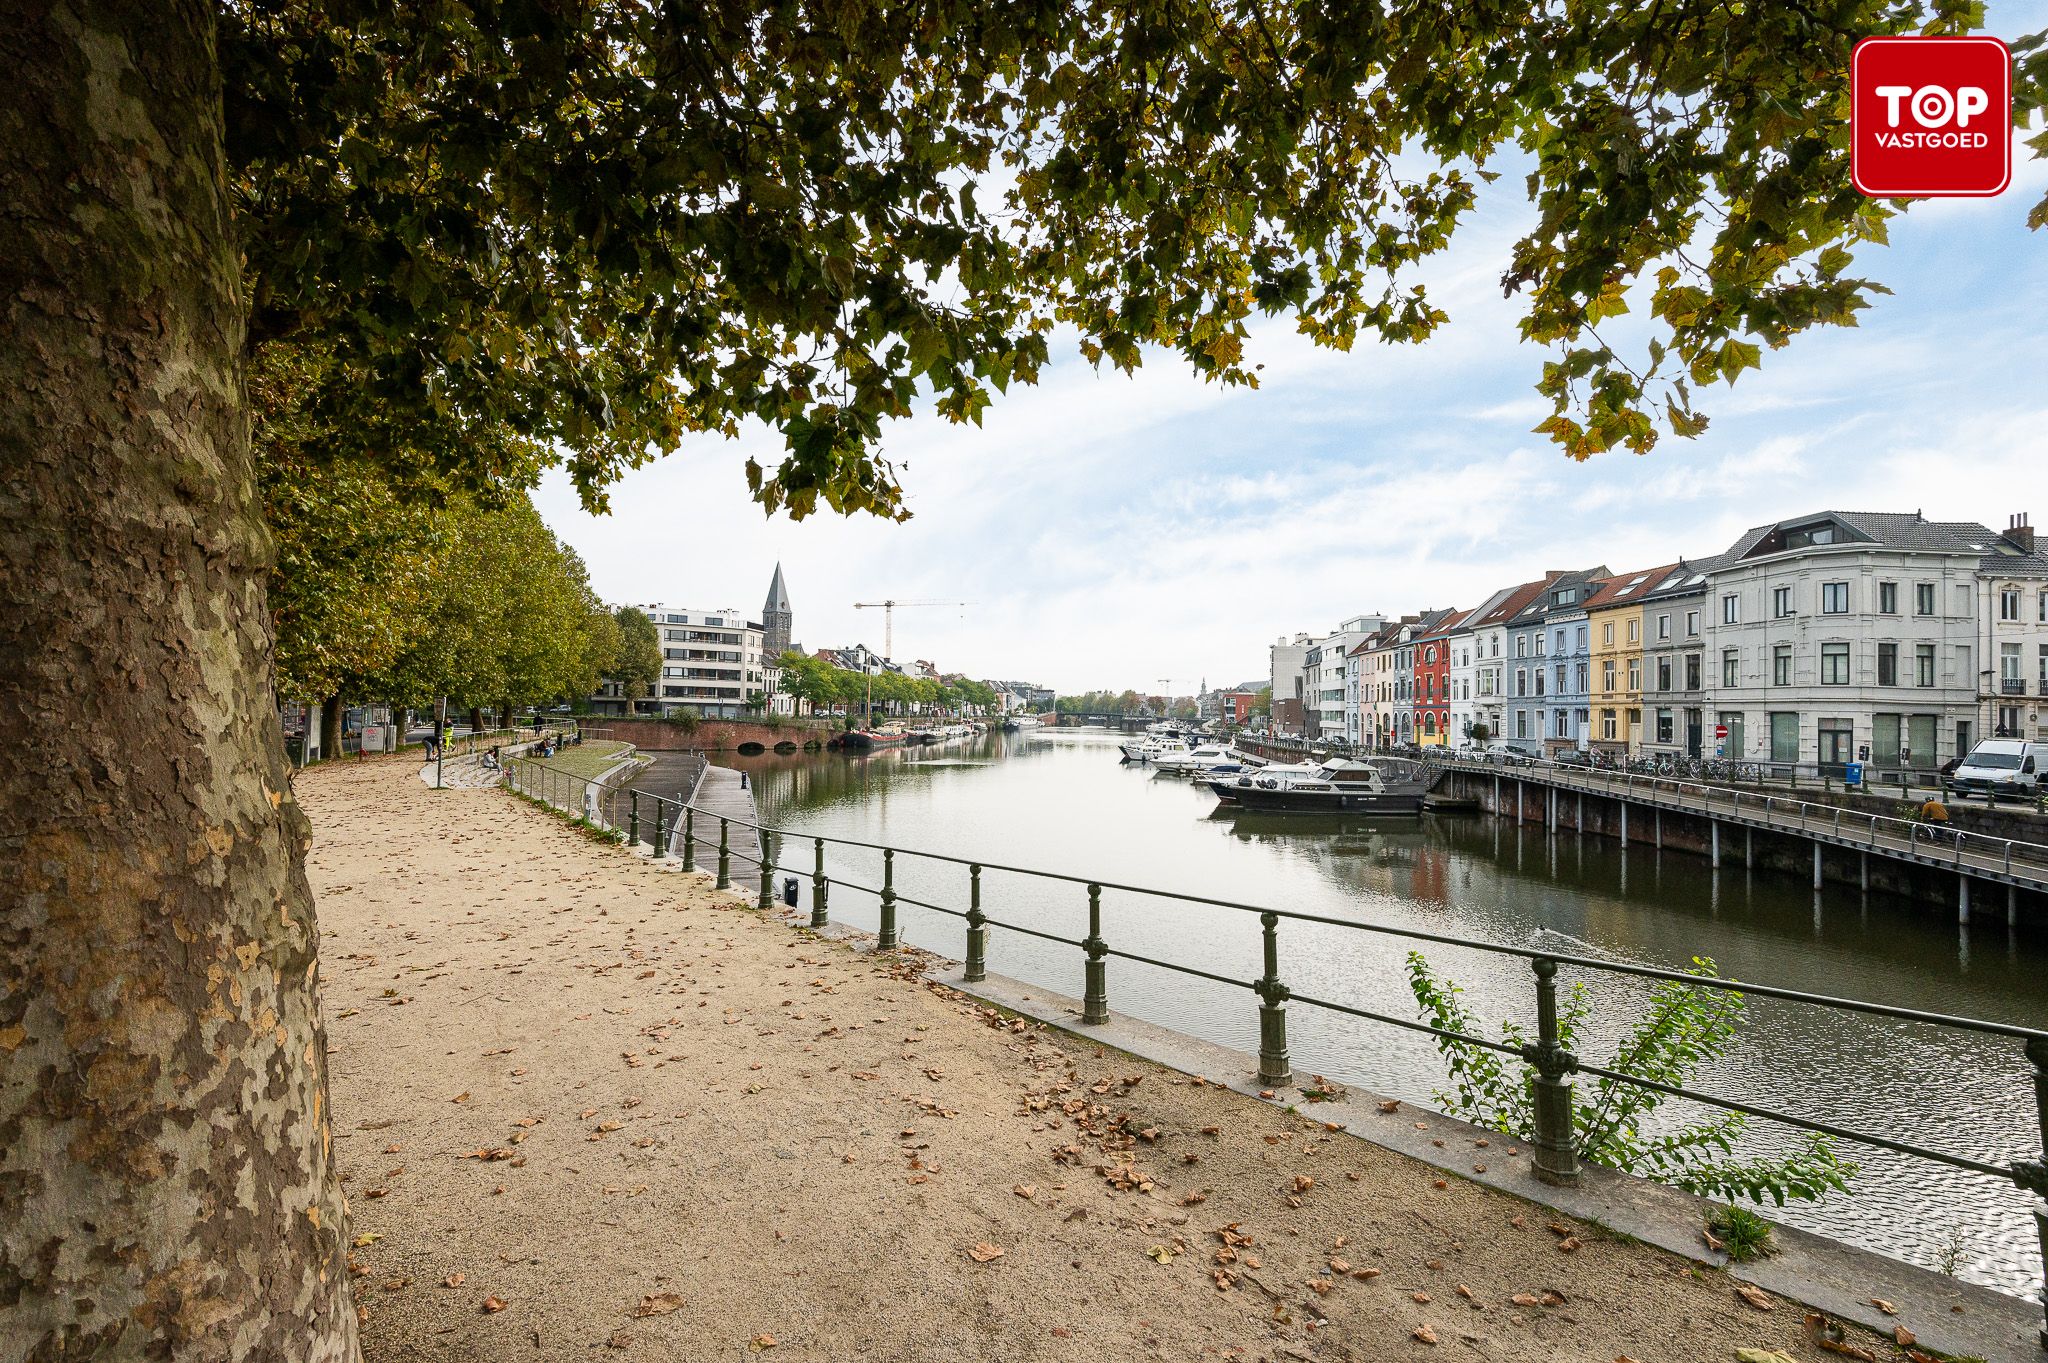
x,y
1828,638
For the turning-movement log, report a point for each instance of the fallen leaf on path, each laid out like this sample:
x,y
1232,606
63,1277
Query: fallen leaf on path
x,y
658,1304
1754,1295
453,1280
1903,1337
984,1252
1424,1333
1391,1105
493,1305
762,1342
1881,1304
1159,1253
1764,1356
1526,1299
368,1237
619,1340
1027,1191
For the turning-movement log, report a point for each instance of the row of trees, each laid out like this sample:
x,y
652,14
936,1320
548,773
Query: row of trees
x,y
413,590
841,690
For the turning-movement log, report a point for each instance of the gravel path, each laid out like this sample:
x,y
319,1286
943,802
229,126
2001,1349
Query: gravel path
x,y
589,1108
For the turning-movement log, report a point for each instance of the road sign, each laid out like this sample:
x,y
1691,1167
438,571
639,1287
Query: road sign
x,y
1720,731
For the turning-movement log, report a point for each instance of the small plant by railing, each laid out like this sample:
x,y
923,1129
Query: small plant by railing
x,y
1693,1015
1683,1028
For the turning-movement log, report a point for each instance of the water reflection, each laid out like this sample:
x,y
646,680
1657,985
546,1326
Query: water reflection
x,y
1060,801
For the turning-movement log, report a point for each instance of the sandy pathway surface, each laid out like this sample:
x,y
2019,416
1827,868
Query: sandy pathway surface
x,y
588,1108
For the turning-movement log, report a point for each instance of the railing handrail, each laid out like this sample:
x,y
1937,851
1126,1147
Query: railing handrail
x,y
1413,934
1553,1144
1570,773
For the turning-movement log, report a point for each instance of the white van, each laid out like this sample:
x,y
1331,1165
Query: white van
x,y
2001,768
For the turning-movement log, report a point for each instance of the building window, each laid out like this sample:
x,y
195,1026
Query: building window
x,y
2044,605
1887,664
1887,598
1663,674
1834,664
1728,666
1834,598
1663,627
1539,681
1564,724
1521,724
2009,603
1781,665
2009,666
1635,630
1635,674
1607,725
1663,726
1692,671
1923,664
2044,669
1521,645
1607,675
1607,634
1781,602
1692,624
1923,598
1560,679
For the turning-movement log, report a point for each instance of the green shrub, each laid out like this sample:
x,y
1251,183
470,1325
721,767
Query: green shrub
x,y
1682,1028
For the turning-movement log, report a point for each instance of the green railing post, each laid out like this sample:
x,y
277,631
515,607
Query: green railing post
x,y
885,940
977,930
1556,1154
1095,986
767,872
660,833
1275,1068
2032,1175
633,820
689,838
724,854
818,919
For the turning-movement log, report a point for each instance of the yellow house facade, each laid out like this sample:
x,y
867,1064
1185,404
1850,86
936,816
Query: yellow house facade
x,y
1615,613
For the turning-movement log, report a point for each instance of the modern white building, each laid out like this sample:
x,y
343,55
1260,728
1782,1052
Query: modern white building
x,y
1324,680
1847,636
2012,623
711,662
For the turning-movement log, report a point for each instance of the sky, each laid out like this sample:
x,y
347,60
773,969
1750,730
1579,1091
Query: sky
x,y
1153,531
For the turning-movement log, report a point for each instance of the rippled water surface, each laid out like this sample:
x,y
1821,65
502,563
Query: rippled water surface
x,y
1060,801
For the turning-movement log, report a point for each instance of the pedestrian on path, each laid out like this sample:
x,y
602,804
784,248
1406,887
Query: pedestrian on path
x,y
743,781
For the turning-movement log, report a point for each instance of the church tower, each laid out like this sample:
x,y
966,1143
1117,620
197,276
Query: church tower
x,y
776,620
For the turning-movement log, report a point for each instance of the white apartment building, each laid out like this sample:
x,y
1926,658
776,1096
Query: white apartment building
x,y
1847,636
710,661
1324,677
2012,621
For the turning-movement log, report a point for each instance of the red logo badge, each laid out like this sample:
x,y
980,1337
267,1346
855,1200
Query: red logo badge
x,y
1931,118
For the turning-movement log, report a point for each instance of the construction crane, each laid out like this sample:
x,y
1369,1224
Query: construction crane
x,y
888,610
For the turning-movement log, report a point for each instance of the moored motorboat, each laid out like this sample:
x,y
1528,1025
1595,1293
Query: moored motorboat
x,y
1335,786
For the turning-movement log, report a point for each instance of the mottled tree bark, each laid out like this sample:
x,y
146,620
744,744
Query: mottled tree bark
x,y
330,728
167,1188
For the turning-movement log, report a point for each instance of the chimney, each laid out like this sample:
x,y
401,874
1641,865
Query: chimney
x,y
2021,533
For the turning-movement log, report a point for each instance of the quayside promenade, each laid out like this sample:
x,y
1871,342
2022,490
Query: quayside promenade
x,y
588,1107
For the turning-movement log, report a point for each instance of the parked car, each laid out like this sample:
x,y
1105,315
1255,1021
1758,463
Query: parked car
x,y
2000,769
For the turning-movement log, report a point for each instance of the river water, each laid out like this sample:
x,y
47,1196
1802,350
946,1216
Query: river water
x,y
1059,800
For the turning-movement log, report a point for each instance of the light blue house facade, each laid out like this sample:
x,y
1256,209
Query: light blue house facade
x,y
1548,673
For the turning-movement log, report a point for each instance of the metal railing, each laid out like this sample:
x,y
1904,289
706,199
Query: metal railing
x,y
677,829
1917,839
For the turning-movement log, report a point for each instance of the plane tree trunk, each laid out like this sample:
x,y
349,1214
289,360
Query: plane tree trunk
x,y
167,1186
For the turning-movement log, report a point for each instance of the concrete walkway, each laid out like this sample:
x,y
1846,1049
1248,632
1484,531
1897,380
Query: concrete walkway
x,y
584,1105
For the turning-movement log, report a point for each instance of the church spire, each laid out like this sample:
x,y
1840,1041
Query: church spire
x,y
777,620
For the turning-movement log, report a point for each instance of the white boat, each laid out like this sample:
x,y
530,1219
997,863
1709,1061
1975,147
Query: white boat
x,y
1203,758
1153,749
